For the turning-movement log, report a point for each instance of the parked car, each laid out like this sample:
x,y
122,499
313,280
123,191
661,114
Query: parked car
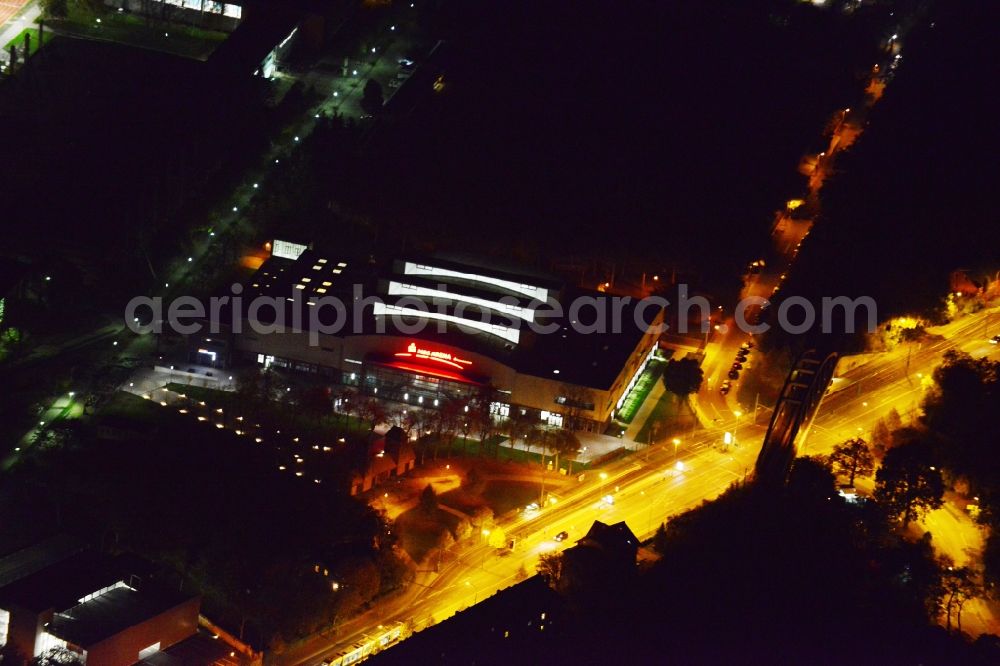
x,y
734,374
737,366
562,536
995,340
725,388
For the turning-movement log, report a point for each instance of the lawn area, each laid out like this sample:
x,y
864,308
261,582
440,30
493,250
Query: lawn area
x,y
132,407
19,40
337,423
638,394
672,415
471,448
421,531
139,31
462,500
504,496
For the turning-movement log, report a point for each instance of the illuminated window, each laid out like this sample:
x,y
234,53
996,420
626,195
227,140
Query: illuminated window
x,y
510,334
322,261
327,284
527,314
320,290
342,264
528,290
300,286
307,279
317,267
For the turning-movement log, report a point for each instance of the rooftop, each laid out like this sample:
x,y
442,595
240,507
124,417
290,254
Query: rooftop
x,y
27,561
60,581
108,614
198,650
493,312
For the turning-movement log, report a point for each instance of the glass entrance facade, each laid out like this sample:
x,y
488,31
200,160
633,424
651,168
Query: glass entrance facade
x,y
411,385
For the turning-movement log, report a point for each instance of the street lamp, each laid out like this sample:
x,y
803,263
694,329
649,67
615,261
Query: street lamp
x,y
677,443
738,414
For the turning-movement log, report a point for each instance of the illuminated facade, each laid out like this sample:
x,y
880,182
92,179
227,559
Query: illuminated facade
x,y
437,329
59,595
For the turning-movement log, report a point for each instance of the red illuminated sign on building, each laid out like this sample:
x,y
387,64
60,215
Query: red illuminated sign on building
x,y
445,358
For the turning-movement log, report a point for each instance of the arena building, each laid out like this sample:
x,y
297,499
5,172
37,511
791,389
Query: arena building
x,y
422,330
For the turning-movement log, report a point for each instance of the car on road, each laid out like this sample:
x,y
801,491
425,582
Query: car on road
x,y
562,536
406,63
734,374
995,340
726,386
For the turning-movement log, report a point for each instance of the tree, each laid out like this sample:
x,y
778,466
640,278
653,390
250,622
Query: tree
x,y
559,441
961,411
348,402
371,98
908,484
576,400
497,538
371,412
449,421
683,377
58,657
428,499
249,389
881,438
315,401
55,8
762,381
660,538
958,584
481,418
550,567
810,478
519,424
853,458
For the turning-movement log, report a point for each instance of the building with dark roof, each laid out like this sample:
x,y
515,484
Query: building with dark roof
x,y
388,457
600,564
500,629
108,610
421,330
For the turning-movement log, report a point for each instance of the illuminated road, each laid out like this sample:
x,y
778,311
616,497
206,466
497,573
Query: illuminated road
x,y
647,489
897,380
